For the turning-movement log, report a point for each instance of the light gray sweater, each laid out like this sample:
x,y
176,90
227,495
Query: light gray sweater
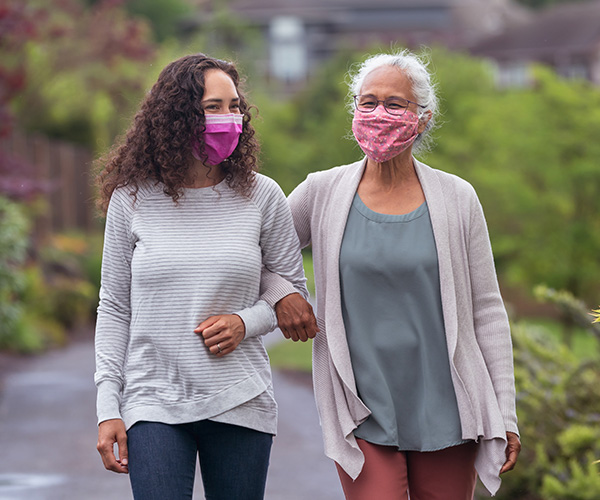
x,y
167,267
475,319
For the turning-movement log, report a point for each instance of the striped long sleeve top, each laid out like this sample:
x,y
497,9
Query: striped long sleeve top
x,y
168,266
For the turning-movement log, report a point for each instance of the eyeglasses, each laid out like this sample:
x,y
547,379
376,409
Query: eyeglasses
x,y
393,105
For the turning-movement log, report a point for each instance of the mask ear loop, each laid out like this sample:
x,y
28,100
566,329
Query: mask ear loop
x,y
420,116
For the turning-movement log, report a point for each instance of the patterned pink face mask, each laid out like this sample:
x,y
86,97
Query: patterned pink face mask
x,y
221,137
383,136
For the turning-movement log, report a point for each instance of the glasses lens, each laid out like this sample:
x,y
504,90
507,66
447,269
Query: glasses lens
x,y
365,103
396,106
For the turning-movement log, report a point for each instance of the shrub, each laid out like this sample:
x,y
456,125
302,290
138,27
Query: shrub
x,y
42,299
13,250
557,403
72,262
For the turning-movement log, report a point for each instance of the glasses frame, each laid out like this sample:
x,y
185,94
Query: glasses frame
x,y
356,96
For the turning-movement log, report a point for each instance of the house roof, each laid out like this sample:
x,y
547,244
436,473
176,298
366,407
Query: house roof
x,y
572,29
288,6
455,21
327,11
334,23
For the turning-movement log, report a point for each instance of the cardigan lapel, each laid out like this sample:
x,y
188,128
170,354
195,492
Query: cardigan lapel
x,y
341,201
338,209
438,212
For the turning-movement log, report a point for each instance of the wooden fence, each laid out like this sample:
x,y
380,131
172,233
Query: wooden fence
x,y
67,170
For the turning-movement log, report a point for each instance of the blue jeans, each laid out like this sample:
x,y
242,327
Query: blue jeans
x,y
162,460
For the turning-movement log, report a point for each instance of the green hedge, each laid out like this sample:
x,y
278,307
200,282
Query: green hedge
x,y
44,293
14,230
558,403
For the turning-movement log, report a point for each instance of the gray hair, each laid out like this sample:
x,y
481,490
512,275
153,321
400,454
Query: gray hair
x,y
423,88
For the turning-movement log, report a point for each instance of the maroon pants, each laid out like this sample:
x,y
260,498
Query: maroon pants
x,y
389,474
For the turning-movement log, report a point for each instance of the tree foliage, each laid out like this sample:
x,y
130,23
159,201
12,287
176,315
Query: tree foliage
x,y
163,15
17,26
81,69
532,156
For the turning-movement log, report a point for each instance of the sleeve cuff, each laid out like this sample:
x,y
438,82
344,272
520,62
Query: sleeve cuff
x,y
259,319
512,427
108,402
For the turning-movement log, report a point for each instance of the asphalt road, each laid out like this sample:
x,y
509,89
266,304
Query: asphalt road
x,y
48,435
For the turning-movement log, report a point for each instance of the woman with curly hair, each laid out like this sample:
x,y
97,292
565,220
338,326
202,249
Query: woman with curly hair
x,y
180,365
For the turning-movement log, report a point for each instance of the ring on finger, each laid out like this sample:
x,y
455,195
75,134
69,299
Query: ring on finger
x,y
219,347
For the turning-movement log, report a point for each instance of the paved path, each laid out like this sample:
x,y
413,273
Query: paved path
x,y
48,435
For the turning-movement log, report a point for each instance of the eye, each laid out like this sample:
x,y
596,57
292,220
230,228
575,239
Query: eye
x,y
396,104
211,107
367,102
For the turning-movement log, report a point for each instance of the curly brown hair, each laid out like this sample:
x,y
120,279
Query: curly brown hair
x,y
157,147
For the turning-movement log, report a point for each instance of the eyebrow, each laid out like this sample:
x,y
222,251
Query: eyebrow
x,y
389,97
220,100
394,97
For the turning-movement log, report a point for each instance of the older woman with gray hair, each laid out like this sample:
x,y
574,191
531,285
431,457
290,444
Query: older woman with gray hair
x,y
412,366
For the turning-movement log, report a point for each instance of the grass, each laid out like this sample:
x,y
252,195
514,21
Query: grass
x,y
292,355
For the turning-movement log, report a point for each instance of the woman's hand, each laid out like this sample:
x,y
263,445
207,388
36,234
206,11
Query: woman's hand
x,y
513,448
296,318
109,433
222,334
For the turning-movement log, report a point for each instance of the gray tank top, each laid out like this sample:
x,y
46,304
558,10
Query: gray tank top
x,y
392,312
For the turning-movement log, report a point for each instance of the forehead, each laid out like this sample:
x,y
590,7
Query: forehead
x,y
387,81
218,82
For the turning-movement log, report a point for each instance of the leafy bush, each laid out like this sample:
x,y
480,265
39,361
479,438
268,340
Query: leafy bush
x,y
557,403
13,250
27,322
38,329
60,303
42,299
71,264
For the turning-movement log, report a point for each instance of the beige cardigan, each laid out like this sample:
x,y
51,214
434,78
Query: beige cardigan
x,y
476,323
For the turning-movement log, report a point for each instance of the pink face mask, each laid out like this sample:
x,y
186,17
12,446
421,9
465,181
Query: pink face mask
x,y
383,136
221,137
